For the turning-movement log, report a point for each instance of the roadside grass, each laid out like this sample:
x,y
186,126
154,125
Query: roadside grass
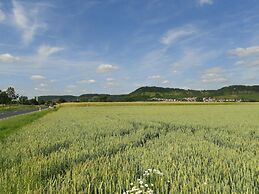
x,y
11,125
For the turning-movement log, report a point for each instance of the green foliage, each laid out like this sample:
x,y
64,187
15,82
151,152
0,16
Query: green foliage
x,y
4,99
11,125
244,93
107,149
23,100
11,93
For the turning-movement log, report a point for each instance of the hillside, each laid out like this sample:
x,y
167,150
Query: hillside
x,y
236,92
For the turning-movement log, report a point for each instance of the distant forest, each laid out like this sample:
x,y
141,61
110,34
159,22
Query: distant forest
x,y
225,94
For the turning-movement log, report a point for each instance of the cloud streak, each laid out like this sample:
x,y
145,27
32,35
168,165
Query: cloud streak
x,y
205,2
214,75
103,68
176,34
2,16
89,81
46,50
37,77
8,58
245,52
26,20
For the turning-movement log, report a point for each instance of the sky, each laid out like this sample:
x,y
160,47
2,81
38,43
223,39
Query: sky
x,y
115,46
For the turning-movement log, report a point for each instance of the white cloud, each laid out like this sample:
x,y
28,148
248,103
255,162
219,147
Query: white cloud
x,y
165,82
109,79
254,63
175,34
214,75
8,57
40,89
90,81
244,52
45,50
25,19
205,2
71,86
111,84
37,77
192,58
43,85
2,16
154,77
106,68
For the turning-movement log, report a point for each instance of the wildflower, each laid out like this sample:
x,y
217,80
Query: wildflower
x,y
146,185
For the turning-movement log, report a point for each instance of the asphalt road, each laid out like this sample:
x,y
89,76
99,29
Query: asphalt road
x,y
10,113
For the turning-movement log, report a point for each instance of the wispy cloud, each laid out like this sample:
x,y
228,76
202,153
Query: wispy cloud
x,y
2,16
89,81
214,75
249,63
38,89
154,77
176,34
103,68
109,79
165,82
244,52
193,58
26,19
6,57
71,86
46,50
37,77
205,2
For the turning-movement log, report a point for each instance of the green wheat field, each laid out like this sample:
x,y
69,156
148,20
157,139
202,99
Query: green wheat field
x,y
135,149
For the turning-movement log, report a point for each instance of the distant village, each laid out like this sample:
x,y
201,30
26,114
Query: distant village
x,y
196,99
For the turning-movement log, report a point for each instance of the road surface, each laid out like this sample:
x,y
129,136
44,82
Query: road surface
x,y
10,113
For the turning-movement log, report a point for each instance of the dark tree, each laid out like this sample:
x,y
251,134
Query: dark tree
x,y
61,100
33,101
11,93
23,100
4,99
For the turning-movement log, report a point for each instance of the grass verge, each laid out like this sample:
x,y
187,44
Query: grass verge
x,y
11,125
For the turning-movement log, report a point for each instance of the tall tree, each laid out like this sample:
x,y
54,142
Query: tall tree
x,y
11,93
4,99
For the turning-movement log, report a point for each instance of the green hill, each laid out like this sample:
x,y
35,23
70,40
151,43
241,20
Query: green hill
x,y
235,92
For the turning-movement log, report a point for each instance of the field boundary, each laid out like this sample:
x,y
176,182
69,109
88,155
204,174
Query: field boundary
x,y
82,104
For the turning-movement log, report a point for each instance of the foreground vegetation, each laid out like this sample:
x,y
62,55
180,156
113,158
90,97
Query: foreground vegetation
x,y
115,149
11,125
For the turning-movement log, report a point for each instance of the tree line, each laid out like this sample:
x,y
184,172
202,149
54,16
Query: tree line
x,y
9,96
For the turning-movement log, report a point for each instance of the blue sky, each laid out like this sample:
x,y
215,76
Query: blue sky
x,y
116,46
